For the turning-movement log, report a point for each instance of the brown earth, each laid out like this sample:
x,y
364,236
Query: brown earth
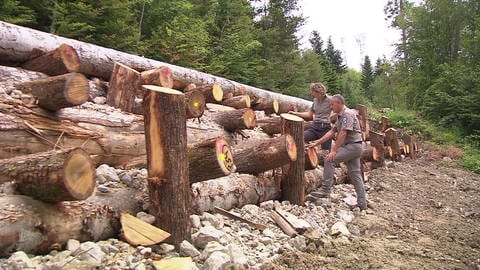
x,y
426,216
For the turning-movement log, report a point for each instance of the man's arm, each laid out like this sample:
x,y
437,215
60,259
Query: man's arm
x,y
325,138
338,143
307,116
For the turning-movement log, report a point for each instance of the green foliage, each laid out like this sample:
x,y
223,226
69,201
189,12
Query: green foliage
x,y
367,77
13,11
351,88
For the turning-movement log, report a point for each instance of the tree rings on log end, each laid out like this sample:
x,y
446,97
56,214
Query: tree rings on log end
x,y
291,117
79,174
69,58
162,89
291,147
195,104
249,118
276,106
217,92
76,89
224,155
311,158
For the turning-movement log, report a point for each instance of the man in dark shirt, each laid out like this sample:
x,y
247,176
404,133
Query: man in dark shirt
x,y
319,113
347,148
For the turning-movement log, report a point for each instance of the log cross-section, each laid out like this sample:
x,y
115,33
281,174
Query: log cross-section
x,y
311,158
52,176
195,104
167,161
63,59
293,179
213,92
210,159
58,92
124,87
269,106
236,119
273,153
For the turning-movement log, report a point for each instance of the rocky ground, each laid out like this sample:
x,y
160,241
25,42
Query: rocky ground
x,y
426,215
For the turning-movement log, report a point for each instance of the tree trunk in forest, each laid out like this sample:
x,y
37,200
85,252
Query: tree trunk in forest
x,y
125,83
53,176
161,76
213,92
311,159
210,159
55,93
167,160
364,124
269,106
195,104
392,142
236,119
36,227
237,102
17,43
273,153
293,180
63,59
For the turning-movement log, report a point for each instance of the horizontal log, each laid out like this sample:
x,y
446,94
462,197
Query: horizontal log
x,y
63,59
236,119
17,44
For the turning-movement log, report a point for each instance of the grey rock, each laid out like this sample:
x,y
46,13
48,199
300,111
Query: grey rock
x,y
141,266
103,189
19,260
251,209
269,233
237,257
299,242
146,251
211,247
339,228
187,249
91,253
100,100
107,172
266,240
217,261
126,179
268,205
150,219
165,248
108,248
213,220
205,235
195,221
72,245
345,216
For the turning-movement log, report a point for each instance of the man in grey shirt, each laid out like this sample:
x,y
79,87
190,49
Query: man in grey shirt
x,y
319,113
347,148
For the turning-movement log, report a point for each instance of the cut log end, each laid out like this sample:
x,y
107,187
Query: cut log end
x,y
161,76
291,117
311,158
224,155
76,90
276,106
162,89
69,57
217,92
79,174
249,118
195,104
291,147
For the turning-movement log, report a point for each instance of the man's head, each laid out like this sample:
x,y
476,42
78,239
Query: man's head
x,y
337,102
318,89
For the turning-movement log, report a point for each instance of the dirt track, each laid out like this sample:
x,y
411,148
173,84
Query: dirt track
x,y
426,216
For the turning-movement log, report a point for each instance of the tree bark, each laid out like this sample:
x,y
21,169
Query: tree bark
x,y
125,83
17,43
195,104
293,180
269,106
273,153
53,176
210,159
36,227
392,142
270,125
377,141
236,119
364,124
237,102
55,93
161,76
167,160
61,60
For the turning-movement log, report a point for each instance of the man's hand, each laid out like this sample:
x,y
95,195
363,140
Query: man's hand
x,y
292,112
312,144
331,156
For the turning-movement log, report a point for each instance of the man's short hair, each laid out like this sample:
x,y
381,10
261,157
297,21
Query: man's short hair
x,y
317,86
338,98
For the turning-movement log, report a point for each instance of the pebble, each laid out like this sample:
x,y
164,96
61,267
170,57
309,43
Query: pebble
x,y
299,242
103,189
345,215
90,252
187,249
238,258
195,221
150,219
268,205
164,249
205,235
18,261
339,228
218,260
72,245
107,172
268,233
212,247
100,100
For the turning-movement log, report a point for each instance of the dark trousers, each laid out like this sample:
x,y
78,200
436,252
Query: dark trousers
x,y
316,132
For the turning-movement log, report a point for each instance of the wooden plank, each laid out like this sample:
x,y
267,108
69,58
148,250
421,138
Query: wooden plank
x,y
139,233
283,224
298,224
231,215
176,263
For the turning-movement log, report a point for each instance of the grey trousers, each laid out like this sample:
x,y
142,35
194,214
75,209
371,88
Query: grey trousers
x,y
350,154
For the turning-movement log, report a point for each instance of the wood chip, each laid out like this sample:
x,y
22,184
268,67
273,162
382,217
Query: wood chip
x,y
176,263
139,233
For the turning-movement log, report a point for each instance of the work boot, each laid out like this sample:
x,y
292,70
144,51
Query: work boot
x,y
320,194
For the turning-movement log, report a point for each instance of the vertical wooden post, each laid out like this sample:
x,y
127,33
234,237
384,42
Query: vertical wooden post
x,y
167,161
364,124
293,178
391,140
124,86
377,141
